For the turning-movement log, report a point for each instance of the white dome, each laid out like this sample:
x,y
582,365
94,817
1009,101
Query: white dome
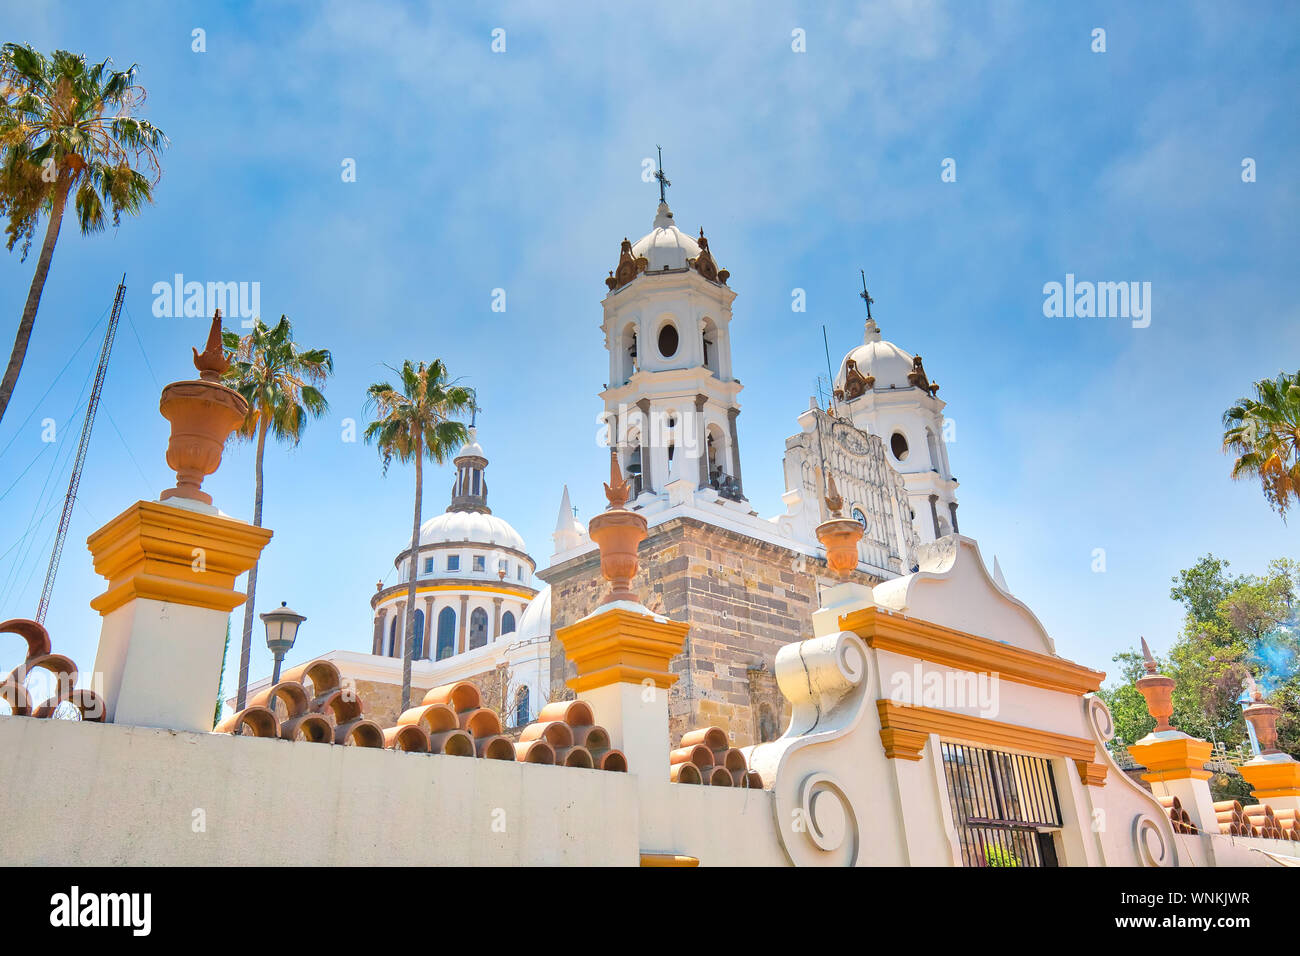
x,y
474,526
665,246
536,619
885,361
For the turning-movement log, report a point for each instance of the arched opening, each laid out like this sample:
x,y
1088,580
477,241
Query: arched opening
x,y
446,633
898,445
508,622
668,340
478,627
716,449
632,462
390,650
709,341
932,447
522,705
418,653
627,358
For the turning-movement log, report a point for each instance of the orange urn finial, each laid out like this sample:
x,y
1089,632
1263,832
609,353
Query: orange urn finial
x,y
1157,689
1263,718
618,532
839,535
202,413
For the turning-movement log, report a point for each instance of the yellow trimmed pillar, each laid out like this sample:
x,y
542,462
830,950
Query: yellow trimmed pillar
x,y
171,571
1175,766
1274,780
622,654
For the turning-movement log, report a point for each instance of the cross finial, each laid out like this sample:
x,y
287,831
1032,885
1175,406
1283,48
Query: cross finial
x,y
864,294
664,181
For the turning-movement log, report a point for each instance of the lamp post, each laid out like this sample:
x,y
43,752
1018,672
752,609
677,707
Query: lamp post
x,y
281,631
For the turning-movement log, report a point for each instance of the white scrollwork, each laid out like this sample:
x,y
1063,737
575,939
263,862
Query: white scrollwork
x,y
1103,725
817,815
1150,844
828,817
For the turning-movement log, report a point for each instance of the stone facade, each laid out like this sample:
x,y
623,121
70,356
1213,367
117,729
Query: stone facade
x,y
742,597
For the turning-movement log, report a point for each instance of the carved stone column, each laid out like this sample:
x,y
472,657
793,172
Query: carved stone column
x,y
952,510
704,440
934,516
464,608
496,617
377,644
428,628
735,449
647,450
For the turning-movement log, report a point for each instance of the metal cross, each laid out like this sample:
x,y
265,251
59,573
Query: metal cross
x,y
864,294
659,175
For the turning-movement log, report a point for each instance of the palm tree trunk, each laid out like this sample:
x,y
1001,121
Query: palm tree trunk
x,y
414,565
28,321
246,646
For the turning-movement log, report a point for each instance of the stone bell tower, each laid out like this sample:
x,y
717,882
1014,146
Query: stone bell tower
x,y
671,400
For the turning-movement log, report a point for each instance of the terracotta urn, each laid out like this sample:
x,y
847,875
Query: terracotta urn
x,y
203,414
1263,717
840,537
618,533
1158,691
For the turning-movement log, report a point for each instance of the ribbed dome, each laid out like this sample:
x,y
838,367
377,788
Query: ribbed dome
x,y
665,246
536,619
875,357
472,526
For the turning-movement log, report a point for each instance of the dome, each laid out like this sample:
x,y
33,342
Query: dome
x,y
536,619
473,526
665,246
882,360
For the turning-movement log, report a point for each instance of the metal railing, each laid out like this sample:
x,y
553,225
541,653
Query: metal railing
x,y
1004,806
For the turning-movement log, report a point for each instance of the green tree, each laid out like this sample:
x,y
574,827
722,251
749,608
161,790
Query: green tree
x,y
278,380
1264,433
67,129
414,422
1235,627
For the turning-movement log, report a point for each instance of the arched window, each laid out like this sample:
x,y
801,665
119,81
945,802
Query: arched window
x,y
391,649
478,623
508,622
521,707
446,633
418,644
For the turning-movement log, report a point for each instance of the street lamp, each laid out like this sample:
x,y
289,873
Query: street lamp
x,y
281,631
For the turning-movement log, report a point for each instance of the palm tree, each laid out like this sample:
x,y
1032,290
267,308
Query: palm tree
x,y
278,380
412,423
1264,433
67,129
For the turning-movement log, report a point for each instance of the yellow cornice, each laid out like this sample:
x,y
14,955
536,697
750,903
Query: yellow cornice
x,y
162,553
621,646
1272,779
912,637
397,591
904,730
1177,758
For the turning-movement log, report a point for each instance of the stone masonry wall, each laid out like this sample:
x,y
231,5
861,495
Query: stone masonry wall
x,y
743,599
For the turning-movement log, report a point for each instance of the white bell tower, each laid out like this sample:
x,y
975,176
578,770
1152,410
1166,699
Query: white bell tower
x,y
670,402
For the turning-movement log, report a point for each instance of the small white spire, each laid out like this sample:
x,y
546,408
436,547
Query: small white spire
x,y
998,579
568,531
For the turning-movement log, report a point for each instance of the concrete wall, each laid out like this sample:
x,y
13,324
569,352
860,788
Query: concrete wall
x,y
103,795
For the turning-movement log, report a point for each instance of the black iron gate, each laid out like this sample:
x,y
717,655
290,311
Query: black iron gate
x,y
1004,806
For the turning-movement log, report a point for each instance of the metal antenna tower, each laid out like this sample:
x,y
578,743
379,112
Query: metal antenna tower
x,y
75,481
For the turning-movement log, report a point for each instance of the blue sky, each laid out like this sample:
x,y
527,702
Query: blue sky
x,y
522,170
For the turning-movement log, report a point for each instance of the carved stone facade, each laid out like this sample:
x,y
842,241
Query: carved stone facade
x,y
874,493
742,597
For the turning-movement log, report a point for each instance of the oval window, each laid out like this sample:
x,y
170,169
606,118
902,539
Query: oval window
x,y
668,340
898,445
